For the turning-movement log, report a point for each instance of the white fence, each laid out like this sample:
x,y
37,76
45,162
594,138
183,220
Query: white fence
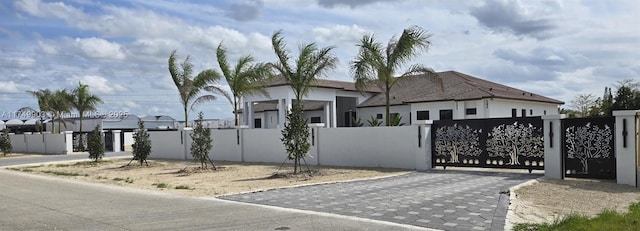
x,y
391,147
41,143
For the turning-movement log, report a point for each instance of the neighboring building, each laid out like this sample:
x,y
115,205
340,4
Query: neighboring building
x,y
123,123
418,97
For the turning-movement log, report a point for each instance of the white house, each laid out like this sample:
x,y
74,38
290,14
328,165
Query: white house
x,y
337,103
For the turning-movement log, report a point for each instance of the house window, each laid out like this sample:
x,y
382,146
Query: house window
x,y
316,119
379,116
524,112
446,114
422,115
257,123
471,111
531,112
514,113
545,112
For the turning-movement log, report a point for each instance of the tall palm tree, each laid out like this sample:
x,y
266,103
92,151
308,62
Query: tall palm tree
x,y
376,64
190,88
246,77
60,103
83,101
44,97
301,73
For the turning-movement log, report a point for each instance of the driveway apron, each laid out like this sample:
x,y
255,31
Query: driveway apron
x,y
448,200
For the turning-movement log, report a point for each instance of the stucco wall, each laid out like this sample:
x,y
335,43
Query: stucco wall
x,y
502,108
225,145
166,145
38,143
263,145
365,113
391,147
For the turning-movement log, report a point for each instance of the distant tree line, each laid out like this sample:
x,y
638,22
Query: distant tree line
x,y
627,97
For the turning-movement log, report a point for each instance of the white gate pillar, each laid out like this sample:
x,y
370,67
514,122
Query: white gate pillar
x,y
423,149
553,162
626,146
116,140
68,139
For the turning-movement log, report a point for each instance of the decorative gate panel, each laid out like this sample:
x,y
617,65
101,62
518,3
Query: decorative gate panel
x,y
588,147
489,143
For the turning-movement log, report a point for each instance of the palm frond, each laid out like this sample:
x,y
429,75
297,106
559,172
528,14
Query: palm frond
x,y
279,47
412,41
206,77
202,99
221,55
220,91
176,75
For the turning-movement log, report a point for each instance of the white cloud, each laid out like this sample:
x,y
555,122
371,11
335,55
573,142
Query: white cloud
x,y
47,48
52,9
96,84
9,86
22,62
339,33
98,48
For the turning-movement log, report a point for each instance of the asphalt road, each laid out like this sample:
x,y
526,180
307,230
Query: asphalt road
x,y
32,202
33,159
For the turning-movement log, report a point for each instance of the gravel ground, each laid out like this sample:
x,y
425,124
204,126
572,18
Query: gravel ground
x,y
544,200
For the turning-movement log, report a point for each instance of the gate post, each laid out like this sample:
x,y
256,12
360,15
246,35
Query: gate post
x,y
553,159
68,142
625,147
423,149
116,140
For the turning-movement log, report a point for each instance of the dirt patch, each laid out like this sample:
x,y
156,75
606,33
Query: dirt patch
x,y
548,199
186,177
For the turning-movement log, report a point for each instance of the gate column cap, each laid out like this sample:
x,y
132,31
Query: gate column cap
x,y
626,113
553,117
423,122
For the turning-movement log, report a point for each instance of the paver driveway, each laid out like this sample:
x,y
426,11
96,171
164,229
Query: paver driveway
x,y
449,200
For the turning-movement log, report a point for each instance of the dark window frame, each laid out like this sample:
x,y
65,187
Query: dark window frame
x,y
420,115
471,111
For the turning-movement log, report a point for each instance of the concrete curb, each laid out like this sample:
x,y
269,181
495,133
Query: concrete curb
x,y
508,225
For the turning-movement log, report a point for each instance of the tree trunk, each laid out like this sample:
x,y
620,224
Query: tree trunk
x,y
295,165
585,166
186,119
387,120
80,143
235,110
59,122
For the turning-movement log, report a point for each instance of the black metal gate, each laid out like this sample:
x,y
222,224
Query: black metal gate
x,y
489,143
76,141
588,147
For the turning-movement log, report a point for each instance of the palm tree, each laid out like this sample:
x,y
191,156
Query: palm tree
x,y
190,88
83,101
376,64
44,97
301,73
60,103
246,77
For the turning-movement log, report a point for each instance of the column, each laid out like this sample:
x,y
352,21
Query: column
x,y
116,140
282,115
327,114
68,139
334,121
626,146
250,114
553,162
186,141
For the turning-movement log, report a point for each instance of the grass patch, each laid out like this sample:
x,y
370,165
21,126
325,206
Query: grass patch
x,y
161,185
183,187
605,220
57,173
62,165
35,166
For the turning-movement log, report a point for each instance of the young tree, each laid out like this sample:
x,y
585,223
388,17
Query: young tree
x,y
96,146
201,143
246,77
141,144
5,142
190,88
295,136
301,73
377,65
83,101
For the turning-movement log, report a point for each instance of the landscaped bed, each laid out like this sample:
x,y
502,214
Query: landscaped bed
x,y
185,177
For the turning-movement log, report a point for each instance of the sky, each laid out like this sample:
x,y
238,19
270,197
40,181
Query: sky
x,y
556,48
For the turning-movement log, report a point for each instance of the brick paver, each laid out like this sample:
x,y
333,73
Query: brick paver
x,y
448,200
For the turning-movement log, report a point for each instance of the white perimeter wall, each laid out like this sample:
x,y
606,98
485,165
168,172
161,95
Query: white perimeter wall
x,y
38,143
128,141
392,147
